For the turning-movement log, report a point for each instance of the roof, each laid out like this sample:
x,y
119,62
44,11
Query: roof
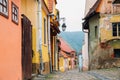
x,y
65,46
88,5
50,5
74,39
63,54
93,9
55,1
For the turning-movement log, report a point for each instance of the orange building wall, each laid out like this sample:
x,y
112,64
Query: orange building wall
x,y
105,6
10,47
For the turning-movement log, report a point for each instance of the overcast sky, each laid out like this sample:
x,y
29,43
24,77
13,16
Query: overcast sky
x,y
73,11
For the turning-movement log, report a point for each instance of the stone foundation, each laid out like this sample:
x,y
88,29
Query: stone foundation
x,y
35,68
46,68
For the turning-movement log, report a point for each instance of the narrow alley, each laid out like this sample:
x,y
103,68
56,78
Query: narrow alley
x,y
102,74
51,39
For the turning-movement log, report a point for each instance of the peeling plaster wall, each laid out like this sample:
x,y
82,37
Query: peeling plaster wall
x,y
93,41
106,21
99,57
115,44
94,21
109,13
102,48
103,57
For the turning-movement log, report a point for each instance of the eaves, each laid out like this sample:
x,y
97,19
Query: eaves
x,y
92,10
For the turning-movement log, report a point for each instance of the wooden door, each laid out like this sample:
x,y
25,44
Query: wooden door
x,y
26,48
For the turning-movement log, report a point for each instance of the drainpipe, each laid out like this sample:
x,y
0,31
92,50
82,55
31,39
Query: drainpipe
x,y
55,53
39,16
49,43
89,53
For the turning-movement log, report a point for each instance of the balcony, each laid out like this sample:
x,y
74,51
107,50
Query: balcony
x,y
116,7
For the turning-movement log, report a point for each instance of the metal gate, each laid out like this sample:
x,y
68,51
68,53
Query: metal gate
x,y
26,48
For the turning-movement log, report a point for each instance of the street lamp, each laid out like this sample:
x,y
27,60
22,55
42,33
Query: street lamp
x,y
63,25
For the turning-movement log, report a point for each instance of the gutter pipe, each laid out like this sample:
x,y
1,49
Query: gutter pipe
x,y
39,16
49,43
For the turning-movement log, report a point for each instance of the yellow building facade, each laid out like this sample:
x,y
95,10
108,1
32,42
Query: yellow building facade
x,y
38,11
106,27
50,29
45,55
61,64
29,9
109,31
108,16
54,31
109,23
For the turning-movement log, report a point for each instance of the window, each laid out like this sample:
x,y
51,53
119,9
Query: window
x,y
4,8
119,29
117,53
45,31
96,31
14,13
116,29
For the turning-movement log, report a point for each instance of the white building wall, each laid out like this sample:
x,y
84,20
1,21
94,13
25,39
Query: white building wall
x,y
85,52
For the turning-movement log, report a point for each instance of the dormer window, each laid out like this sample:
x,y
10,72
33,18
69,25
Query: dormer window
x,y
4,8
14,13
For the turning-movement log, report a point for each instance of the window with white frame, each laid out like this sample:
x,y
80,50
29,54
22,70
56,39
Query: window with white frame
x,y
14,13
116,29
4,8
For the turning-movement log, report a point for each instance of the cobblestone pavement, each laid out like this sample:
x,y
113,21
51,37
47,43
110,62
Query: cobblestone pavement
x,y
103,74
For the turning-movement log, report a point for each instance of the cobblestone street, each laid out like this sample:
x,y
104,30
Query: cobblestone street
x,y
103,74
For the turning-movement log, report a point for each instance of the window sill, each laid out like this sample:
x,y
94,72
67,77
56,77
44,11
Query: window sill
x,y
2,14
15,22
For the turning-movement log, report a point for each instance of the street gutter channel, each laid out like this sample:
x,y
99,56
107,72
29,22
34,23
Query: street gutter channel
x,y
100,77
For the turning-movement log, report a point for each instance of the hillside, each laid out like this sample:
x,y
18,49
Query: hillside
x,y
74,39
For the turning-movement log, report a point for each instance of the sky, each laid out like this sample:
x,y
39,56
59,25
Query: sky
x,y
73,11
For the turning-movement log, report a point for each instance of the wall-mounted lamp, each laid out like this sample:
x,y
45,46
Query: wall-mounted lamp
x,y
63,25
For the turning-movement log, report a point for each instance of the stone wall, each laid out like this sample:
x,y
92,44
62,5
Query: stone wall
x,y
103,57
